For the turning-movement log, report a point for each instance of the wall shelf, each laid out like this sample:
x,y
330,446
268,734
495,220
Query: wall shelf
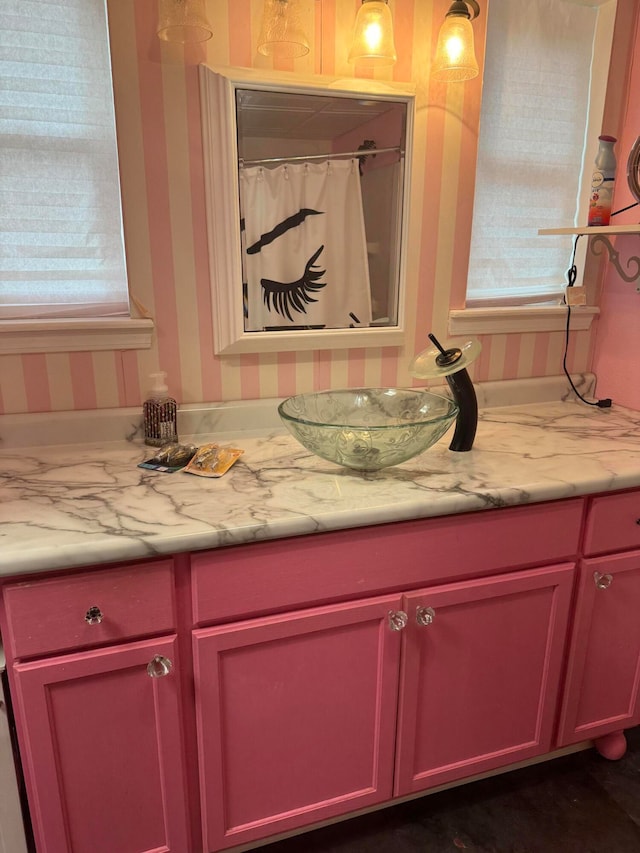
x,y
600,234
611,230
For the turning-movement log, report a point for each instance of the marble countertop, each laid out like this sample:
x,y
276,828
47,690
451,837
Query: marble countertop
x,y
64,506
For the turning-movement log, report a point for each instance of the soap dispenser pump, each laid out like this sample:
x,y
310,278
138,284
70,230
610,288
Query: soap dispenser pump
x,y
160,413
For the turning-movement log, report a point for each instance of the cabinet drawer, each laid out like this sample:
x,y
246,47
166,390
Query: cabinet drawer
x,y
613,523
246,580
45,616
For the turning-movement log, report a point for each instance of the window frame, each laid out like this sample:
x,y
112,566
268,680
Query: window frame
x,y
83,333
549,314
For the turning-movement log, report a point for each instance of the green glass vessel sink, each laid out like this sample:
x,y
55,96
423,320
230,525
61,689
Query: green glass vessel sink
x,y
368,428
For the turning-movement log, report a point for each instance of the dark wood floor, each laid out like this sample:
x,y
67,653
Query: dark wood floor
x,y
580,803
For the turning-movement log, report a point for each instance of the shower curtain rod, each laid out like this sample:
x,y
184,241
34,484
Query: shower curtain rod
x,y
363,152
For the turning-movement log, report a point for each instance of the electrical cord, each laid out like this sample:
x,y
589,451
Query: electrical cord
x,y
572,274
628,207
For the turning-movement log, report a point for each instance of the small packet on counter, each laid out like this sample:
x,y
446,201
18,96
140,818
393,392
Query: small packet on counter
x,y
211,460
170,458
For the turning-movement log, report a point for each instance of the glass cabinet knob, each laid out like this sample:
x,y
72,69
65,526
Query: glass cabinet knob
x,y
159,666
93,616
397,620
425,615
602,581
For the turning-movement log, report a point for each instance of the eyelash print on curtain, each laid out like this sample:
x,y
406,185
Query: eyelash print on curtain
x,y
283,296
305,259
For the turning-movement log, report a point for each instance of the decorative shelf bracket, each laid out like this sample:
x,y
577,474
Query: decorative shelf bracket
x,y
601,234
614,258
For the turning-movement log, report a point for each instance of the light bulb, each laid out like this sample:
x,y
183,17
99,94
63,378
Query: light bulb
x,y
373,36
454,48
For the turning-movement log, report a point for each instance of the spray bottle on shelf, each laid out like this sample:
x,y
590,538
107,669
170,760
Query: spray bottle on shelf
x,y
160,413
602,182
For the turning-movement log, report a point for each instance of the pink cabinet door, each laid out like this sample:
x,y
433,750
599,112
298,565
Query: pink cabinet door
x,y
102,751
296,716
480,673
601,692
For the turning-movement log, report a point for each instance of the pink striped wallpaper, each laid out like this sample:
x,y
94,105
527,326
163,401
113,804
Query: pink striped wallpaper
x,y
158,119
616,359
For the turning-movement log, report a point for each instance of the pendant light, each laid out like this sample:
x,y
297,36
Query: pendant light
x,y
183,21
373,34
281,33
455,58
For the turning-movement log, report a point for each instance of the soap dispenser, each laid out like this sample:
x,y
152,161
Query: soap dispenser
x,y
160,413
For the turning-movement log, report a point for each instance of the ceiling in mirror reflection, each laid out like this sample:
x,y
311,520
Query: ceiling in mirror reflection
x,y
276,114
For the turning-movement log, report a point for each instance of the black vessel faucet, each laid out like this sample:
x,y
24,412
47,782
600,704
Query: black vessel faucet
x,y
464,396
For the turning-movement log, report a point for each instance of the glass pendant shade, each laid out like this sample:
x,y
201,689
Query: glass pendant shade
x,y
183,21
281,33
373,34
455,58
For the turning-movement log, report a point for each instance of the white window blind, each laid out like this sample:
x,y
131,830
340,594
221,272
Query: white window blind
x,y
61,243
533,137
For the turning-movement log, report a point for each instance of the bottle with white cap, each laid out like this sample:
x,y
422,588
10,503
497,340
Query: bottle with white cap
x,y
160,413
602,182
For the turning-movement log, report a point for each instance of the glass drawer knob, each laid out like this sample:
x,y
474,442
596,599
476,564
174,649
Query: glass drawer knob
x,y
602,581
425,615
93,616
397,620
159,666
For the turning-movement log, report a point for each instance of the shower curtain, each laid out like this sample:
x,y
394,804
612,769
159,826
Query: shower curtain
x,y
304,246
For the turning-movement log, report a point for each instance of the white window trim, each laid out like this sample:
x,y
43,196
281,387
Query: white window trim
x,y
518,319
80,334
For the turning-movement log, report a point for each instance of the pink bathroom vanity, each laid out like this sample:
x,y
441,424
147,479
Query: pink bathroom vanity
x,y
297,666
